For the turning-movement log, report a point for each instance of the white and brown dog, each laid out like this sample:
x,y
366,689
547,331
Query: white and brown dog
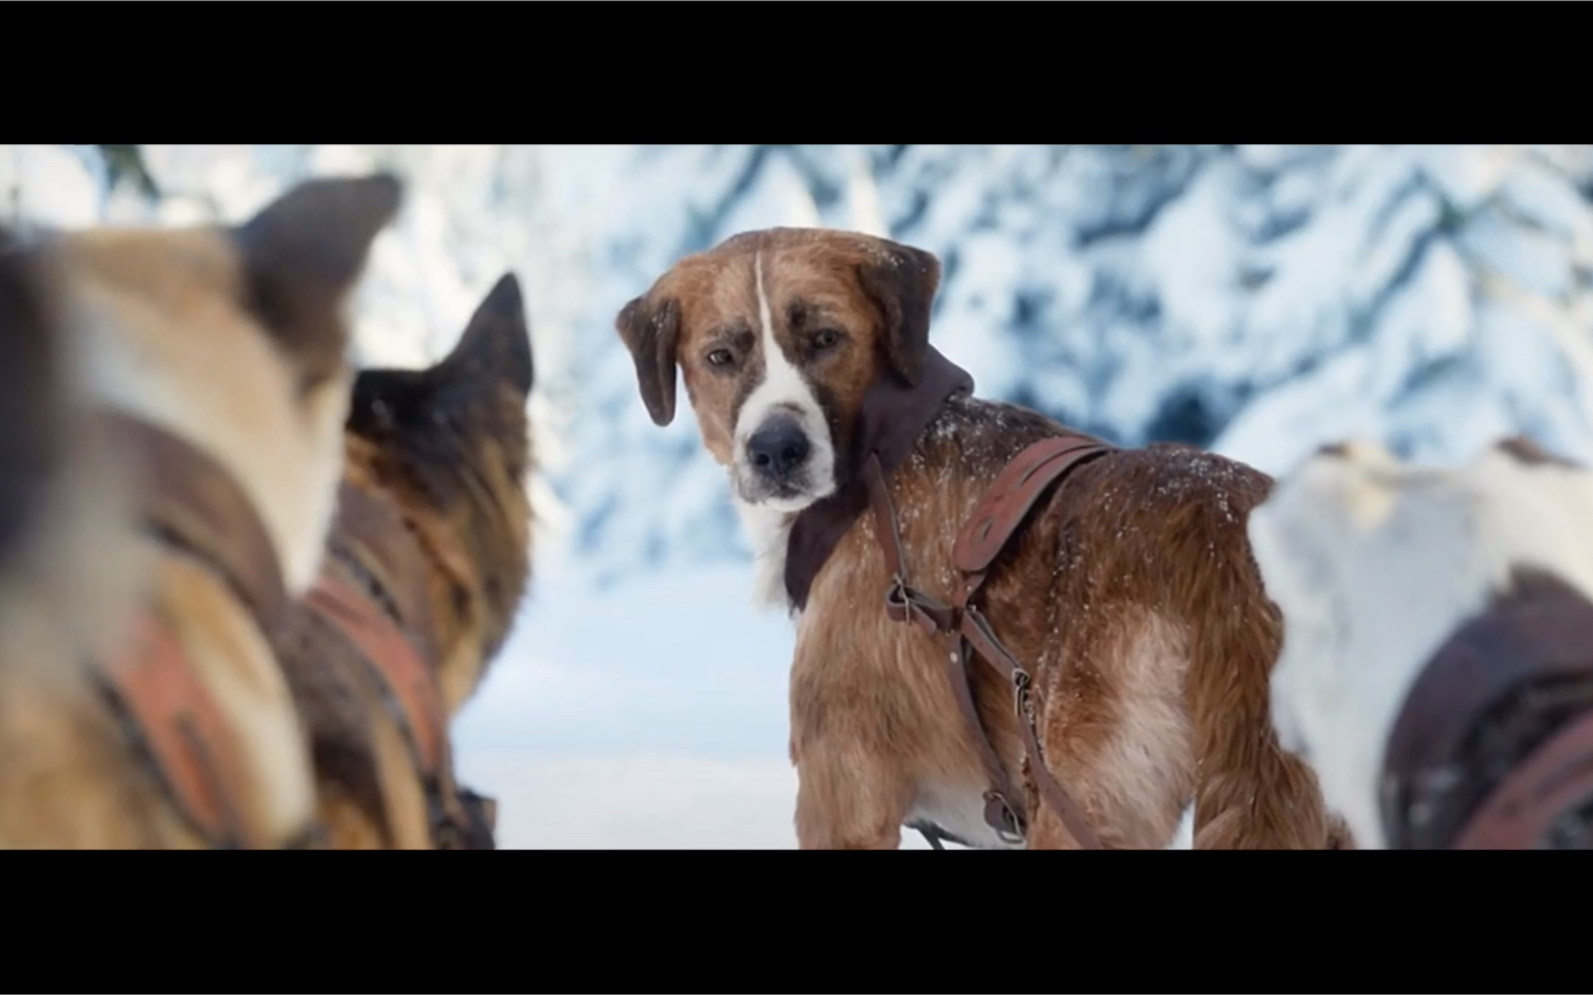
x,y
1130,595
1439,642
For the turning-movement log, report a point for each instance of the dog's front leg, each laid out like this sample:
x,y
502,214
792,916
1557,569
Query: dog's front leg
x,y
848,798
850,732
851,793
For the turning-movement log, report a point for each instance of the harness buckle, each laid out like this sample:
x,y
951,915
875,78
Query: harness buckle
x,y
1003,818
896,596
1022,704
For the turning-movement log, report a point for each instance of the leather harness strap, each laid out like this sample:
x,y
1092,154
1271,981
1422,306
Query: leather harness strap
x,y
374,533
191,503
392,627
1493,745
194,503
1550,792
195,756
997,517
395,660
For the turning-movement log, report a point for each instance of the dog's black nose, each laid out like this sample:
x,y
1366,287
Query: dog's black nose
x,y
777,448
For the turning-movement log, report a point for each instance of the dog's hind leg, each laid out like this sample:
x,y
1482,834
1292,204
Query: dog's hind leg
x,y
1118,735
1250,793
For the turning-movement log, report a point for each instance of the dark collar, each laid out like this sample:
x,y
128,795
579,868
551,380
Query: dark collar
x,y
894,415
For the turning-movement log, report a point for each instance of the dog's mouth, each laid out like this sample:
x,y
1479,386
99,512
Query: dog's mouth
x,y
791,494
784,465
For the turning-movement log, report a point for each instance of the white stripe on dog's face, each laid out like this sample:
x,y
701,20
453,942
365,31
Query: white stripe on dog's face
x,y
783,402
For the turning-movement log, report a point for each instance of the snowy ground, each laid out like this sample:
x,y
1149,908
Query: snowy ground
x,y
650,715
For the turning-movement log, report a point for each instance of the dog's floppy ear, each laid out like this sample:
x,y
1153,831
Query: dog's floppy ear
x,y
496,345
651,332
302,254
902,282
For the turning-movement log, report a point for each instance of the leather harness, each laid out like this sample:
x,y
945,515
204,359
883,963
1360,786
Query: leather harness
x,y
191,504
966,631
894,414
362,591
1493,746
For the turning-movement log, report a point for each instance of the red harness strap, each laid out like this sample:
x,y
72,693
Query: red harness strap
x,y
459,819
401,652
193,505
997,517
175,719
395,659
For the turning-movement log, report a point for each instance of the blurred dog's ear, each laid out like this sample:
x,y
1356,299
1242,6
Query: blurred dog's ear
x,y
301,256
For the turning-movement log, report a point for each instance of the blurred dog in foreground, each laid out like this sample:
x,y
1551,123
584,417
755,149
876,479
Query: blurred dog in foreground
x,y
1438,663
174,403
426,566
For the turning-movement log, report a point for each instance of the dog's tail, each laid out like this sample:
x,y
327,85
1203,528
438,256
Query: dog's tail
x,y
1250,793
31,402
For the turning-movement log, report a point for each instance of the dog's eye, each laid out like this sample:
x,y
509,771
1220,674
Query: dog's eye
x,y
720,357
824,338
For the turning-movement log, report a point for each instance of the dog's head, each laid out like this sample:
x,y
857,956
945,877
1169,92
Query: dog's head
x,y
234,338
778,335
452,444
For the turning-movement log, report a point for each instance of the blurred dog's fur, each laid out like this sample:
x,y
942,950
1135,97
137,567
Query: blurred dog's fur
x,y
449,448
1376,563
1131,592
233,340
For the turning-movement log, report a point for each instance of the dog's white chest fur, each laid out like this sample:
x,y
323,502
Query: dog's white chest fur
x,y
769,533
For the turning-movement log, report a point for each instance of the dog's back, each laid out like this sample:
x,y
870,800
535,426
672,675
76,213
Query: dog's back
x,y
1132,594
440,454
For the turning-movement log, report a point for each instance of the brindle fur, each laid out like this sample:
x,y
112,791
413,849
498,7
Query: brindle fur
x,y
451,446
1118,584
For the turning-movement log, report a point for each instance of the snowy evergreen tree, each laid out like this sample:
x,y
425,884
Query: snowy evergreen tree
x,y
1254,299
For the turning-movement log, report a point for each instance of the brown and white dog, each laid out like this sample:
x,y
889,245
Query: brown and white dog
x,y
1131,595
432,543
193,411
1439,632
